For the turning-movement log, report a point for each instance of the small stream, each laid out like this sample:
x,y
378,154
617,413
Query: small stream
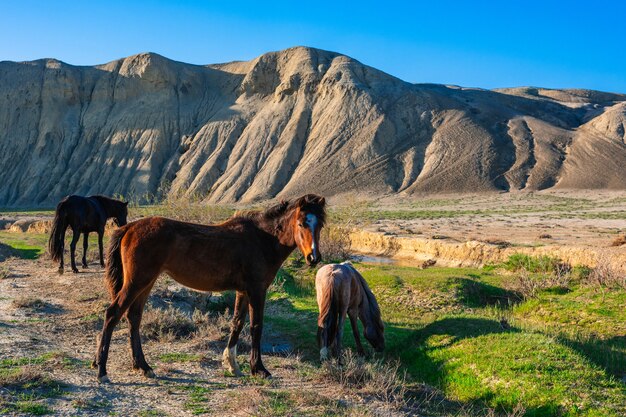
x,y
382,260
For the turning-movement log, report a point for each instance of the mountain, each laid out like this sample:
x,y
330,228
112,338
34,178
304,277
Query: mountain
x,y
289,122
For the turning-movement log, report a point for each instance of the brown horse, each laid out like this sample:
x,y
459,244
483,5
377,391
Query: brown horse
x,y
242,254
342,290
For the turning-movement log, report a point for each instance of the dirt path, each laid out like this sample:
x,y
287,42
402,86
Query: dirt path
x,y
59,317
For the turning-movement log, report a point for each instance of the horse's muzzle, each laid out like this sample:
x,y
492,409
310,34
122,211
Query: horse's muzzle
x,y
312,260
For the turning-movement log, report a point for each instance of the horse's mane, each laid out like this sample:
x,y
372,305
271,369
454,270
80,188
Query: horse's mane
x,y
309,203
374,310
109,204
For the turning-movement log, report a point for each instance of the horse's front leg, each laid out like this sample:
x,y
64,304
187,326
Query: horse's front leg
x,y
100,235
85,239
229,357
75,238
257,306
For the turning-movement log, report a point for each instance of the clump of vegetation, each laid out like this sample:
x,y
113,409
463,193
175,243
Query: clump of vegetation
x,y
166,325
188,208
495,241
212,328
29,302
530,286
619,241
4,272
382,380
536,264
606,275
335,243
24,385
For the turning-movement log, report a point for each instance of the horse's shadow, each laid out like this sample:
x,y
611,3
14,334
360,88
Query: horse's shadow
x,y
7,252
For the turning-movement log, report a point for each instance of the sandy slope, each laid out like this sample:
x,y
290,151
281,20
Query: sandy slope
x,y
287,122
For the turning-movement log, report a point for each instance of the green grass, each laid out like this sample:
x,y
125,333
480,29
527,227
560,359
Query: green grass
x,y
24,245
535,264
25,387
277,403
197,402
464,331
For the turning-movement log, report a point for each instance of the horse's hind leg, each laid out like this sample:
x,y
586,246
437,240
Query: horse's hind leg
x,y
134,322
75,237
114,313
61,269
229,357
85,239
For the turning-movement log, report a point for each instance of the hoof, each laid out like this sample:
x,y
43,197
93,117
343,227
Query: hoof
x,y
149,373
75,270
85,266
94,365
229,361
60,271
263,373
104,379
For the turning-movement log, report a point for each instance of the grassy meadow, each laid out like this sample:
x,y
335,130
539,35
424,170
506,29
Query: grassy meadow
x,y
529,337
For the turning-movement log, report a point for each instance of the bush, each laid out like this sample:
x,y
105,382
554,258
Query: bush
x,y
166,324
335,244
536,264
529,286
606,275
376,378
619,241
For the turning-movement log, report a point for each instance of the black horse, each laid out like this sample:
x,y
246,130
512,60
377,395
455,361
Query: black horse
x,y
83,215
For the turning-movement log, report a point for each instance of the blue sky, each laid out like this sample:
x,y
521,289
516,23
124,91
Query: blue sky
x,y
568,44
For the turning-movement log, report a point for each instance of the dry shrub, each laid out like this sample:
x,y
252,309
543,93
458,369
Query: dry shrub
x,y
544,236
497,242
529,286
335,243
480,411
29,302
22,376
166,325
619,241
188,208
211,327
428,263
5,272
606,275
526,285
379,379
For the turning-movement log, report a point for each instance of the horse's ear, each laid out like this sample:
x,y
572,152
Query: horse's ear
x,y
126,203
321,201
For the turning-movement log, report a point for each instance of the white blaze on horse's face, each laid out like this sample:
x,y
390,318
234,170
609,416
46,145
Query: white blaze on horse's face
x,y
311,222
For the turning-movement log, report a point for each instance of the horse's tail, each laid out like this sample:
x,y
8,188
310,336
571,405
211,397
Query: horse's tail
x,y
114,275
329,315
57,235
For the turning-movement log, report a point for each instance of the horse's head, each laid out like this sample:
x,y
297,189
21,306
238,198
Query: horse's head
x,y
369,313
308,220
121,213
374,333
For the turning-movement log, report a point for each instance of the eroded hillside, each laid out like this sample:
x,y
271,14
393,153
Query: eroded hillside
x,y
287,122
